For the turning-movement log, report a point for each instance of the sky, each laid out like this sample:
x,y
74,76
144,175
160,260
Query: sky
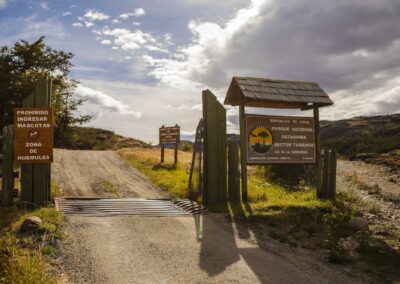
x,y
143,64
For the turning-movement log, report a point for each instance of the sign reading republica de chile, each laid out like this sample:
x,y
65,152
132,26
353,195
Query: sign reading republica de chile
x,y
280,140
33,135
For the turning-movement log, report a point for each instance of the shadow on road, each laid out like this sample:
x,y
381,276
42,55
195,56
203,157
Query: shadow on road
x,y
219,251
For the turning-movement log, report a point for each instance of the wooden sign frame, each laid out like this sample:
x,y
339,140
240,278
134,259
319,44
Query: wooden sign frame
x,y
288,140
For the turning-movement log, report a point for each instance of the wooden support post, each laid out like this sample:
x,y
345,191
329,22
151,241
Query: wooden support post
x,y
243,151
176,154
325,174
35,178
233,172
162,154
317,154
8,166
332,174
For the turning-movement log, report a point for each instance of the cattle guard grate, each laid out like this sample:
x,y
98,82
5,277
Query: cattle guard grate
x,y
129,206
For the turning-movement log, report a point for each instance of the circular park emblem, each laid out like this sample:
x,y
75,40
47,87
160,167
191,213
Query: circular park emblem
x,y
260,140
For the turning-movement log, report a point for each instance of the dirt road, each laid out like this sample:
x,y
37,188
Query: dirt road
x,y
208,249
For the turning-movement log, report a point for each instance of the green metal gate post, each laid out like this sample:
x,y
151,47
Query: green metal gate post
x,y
215,164
35,178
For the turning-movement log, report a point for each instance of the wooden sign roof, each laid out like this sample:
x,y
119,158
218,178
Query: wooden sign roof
x,y
270,93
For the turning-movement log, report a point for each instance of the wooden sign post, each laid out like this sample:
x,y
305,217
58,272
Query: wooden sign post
x,y
33,144
169,136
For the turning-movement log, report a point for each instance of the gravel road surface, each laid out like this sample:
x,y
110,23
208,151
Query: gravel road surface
x,y
134,249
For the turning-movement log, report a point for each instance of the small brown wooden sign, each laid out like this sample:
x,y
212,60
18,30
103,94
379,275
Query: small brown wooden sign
x,y
280,140
33,135
170,135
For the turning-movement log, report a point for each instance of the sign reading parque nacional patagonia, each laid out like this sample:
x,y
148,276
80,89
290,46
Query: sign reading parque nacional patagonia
x,y
33,135
280,140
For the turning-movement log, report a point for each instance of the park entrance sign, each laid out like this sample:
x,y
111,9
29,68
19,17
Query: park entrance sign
x,y
269,140
280,140
33,135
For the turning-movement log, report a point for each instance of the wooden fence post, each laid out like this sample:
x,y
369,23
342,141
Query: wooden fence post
x,y
323,193
176,154
331,194
162,154
8,166
233,172
318,166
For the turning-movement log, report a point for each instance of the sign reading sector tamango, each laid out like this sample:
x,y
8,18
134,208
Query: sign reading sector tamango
x,y
33,135
280,140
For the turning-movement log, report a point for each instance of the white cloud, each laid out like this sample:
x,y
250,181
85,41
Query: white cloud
x,y
105,101
79,25
115,21
3,3
95,15
128,40
106,42
73,6
191,65
67,14
33,27
44,5
136,13
139,12
137,24
88,24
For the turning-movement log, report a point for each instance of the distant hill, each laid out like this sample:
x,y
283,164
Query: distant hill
x,y
374,139
88,138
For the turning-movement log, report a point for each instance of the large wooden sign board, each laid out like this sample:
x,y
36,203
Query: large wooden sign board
x,y
170,135
33,135
280,140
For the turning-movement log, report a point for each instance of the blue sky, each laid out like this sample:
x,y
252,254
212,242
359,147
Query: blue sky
x,y
142,64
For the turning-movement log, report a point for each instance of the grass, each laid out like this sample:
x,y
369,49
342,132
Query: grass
x,y
24,258
56,191
170,177
291,215
109,187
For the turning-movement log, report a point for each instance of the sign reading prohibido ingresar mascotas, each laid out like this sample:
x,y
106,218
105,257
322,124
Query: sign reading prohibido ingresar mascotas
x,y
280,140
33,135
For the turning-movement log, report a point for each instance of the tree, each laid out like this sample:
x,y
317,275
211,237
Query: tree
x,y
264,135
20,68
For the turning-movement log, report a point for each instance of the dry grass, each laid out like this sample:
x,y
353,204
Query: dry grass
x,y
170,177
24,257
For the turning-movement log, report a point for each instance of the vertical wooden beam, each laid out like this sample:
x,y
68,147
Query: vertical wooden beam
x,y
243,151
41,182
317,154
233,172
27,169
332,174
176,154
162,153
325,174
35,178
8,166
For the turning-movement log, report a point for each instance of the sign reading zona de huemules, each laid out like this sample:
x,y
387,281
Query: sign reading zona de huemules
x,y
33,135
280,140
